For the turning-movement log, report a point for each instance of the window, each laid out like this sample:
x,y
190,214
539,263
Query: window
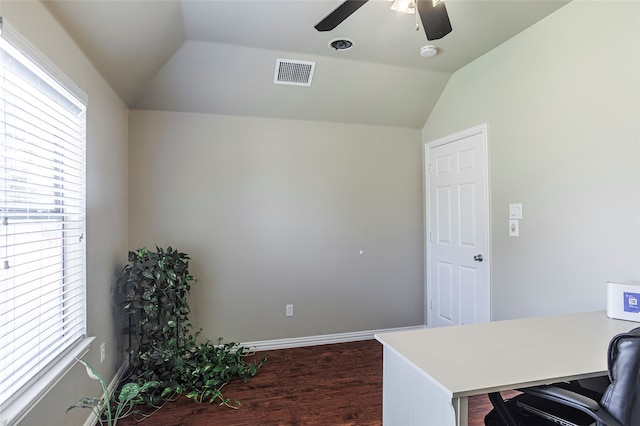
x,y
42,221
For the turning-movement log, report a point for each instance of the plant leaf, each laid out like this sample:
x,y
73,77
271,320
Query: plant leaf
x,y
128,392
148,385
90,371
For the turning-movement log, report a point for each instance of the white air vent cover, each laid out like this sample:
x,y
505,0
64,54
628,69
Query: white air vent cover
x,y
296,73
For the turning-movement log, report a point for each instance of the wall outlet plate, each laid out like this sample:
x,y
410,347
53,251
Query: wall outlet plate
x,y
289,310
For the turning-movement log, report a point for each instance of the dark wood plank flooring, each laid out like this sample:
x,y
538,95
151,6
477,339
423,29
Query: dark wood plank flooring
x,y
338,384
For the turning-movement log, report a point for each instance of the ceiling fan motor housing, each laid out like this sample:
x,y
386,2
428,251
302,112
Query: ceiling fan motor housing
x,y
433,14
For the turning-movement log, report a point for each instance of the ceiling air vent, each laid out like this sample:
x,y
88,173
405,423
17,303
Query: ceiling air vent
x,y
295,73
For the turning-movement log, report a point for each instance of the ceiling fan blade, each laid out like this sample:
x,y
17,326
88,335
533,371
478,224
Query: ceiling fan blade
x,y
435,20
341,13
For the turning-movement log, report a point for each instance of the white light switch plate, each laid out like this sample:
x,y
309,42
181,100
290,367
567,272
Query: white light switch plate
x,y
515,211
514,228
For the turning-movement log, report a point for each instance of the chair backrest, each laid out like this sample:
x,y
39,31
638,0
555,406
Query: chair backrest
x,y
621,399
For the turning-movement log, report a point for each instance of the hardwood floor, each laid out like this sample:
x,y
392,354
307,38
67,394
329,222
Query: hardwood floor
x,y
339,384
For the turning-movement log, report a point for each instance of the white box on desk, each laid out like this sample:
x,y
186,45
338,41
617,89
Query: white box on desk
x,y
623,301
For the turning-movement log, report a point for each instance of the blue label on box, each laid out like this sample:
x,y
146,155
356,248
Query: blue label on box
x,y
631,302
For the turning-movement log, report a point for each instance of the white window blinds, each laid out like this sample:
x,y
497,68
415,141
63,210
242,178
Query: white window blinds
x,y
42,221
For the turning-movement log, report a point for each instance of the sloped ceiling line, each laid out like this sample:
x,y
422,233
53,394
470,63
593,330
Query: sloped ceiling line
x,y
195,56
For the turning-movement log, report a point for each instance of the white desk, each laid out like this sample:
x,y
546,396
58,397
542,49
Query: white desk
x,y
428,374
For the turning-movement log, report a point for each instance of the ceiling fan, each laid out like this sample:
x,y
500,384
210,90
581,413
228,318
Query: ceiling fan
x,y
433,14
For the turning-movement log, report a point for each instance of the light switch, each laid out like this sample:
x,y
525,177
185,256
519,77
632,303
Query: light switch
x,y
514,228
515,211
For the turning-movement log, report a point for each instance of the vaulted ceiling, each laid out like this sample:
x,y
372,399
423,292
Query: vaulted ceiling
x,y
219,57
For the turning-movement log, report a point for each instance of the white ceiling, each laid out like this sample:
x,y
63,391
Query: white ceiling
x,y
219,56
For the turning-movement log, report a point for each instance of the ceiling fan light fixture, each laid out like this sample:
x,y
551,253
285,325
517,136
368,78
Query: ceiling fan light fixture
x,y
404,6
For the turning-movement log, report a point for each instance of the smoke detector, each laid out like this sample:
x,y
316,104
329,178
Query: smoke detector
x,y
292,72
428,51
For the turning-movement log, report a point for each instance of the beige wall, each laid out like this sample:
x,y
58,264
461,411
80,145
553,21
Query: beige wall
x,y
106,205
275,212
562,100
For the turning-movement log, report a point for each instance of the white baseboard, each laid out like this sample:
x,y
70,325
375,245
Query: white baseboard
x,y
93,419
299,342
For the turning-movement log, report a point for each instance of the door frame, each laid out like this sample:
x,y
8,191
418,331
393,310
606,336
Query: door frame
x,y
481,129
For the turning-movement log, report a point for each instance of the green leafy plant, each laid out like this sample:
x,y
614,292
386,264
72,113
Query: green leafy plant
x,y
163,346
207,367
109,410
156,286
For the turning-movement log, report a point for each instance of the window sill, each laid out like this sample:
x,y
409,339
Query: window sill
x,y
17,409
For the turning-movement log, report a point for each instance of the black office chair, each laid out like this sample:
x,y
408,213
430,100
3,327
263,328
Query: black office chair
x,y
619,404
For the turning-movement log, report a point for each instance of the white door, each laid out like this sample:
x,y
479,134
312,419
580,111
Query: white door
x,y
457,264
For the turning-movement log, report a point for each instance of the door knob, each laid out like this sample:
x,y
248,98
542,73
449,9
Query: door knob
x,y
478,258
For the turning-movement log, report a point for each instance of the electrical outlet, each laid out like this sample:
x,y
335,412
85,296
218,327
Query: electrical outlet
x,y
289,310
103,352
